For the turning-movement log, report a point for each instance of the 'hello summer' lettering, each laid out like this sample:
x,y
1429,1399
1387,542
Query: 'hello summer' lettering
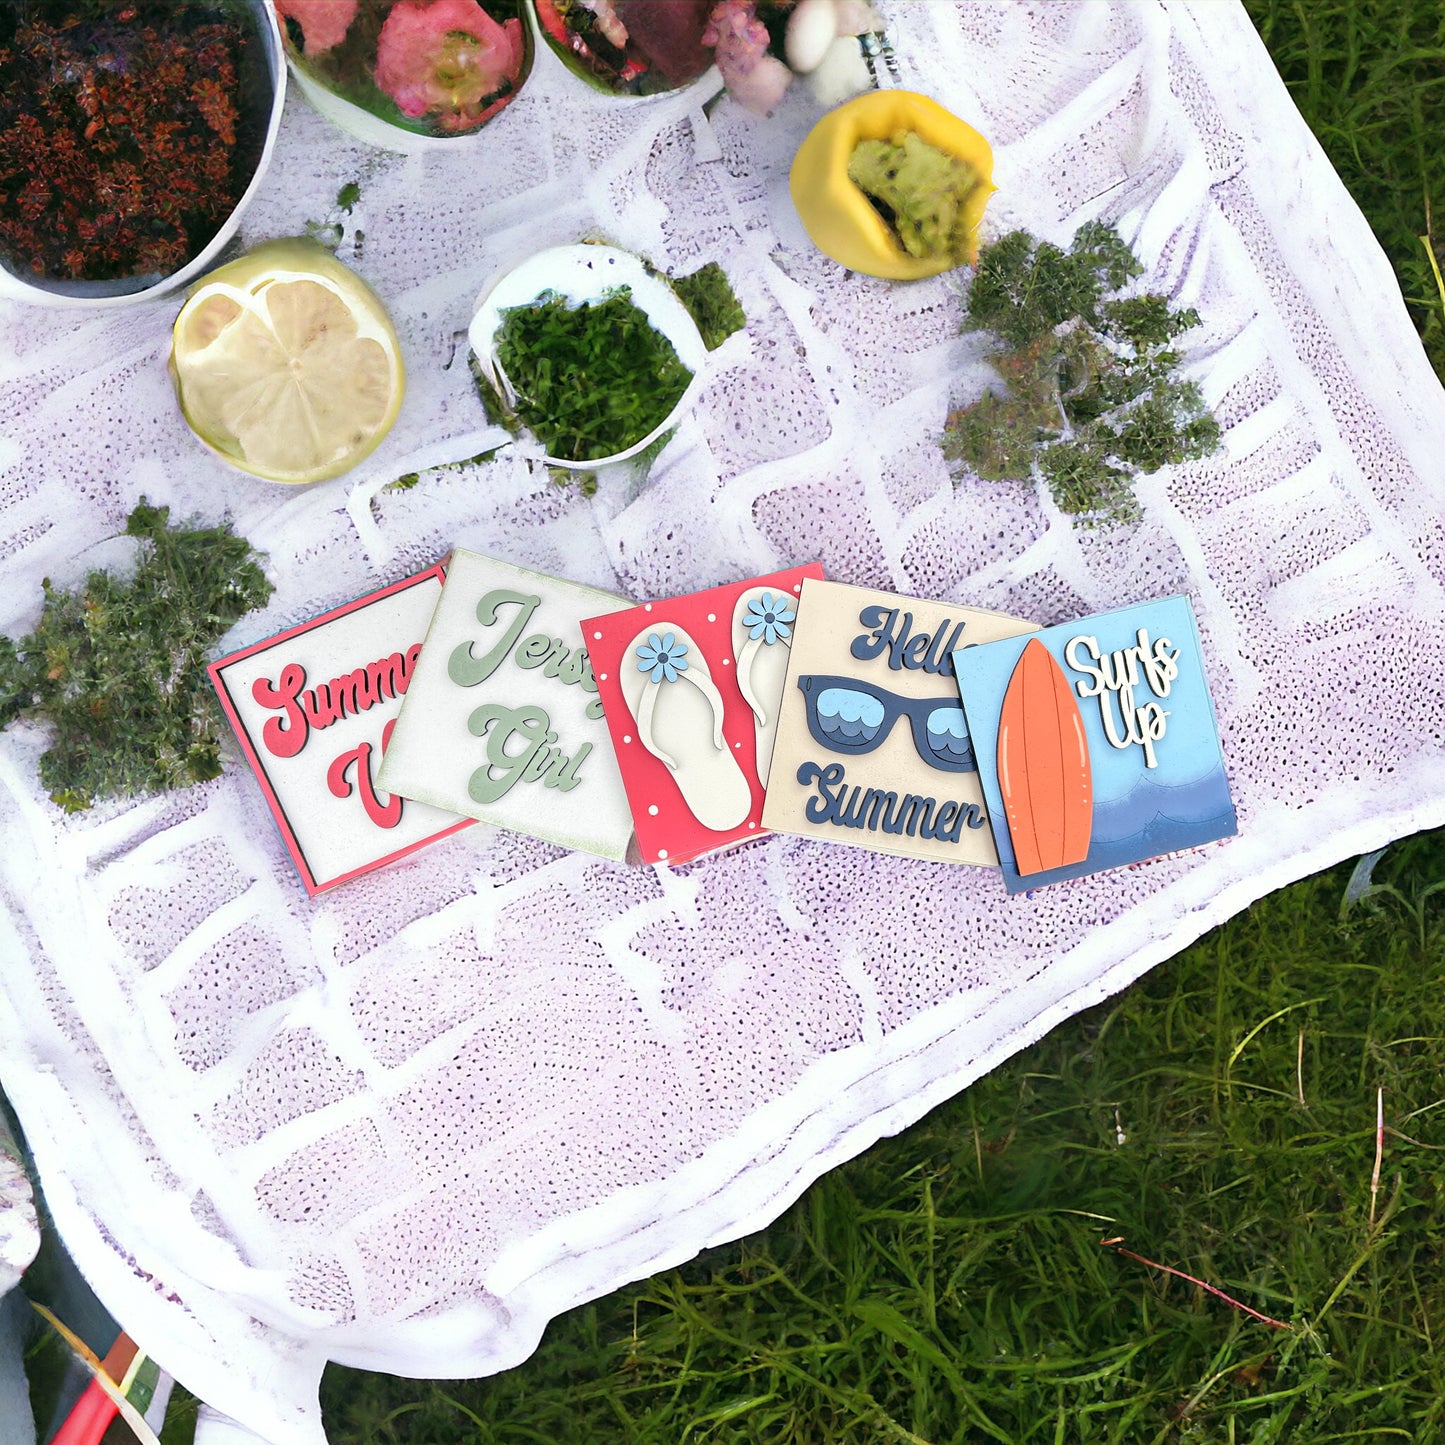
x,y
303,708
893,633
1112,679
881,810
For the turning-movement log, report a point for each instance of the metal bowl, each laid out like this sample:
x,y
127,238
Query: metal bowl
x,y
131,290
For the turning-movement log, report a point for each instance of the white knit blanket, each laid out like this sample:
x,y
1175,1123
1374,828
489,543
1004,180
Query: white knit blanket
x,y
405,1125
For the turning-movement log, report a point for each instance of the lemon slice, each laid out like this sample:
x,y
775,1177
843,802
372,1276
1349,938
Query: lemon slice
x,y
286,363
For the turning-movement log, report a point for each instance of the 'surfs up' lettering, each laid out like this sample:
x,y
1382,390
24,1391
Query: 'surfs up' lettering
x,y
1113,676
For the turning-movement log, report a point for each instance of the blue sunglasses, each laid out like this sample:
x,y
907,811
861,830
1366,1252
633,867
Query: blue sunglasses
x,y
846,715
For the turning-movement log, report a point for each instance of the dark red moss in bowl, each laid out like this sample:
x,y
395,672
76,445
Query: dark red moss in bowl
x,y
129,132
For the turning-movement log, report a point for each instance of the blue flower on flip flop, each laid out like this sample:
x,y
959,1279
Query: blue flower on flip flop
x,y
768,617
664,659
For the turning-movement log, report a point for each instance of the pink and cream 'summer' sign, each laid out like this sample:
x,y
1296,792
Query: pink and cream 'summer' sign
x,y
313,709
692,687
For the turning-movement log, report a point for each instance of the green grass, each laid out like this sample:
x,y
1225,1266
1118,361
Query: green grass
x,y
1369,77
950,1284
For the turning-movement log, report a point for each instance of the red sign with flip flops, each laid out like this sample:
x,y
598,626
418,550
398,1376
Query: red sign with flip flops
x,y
691,688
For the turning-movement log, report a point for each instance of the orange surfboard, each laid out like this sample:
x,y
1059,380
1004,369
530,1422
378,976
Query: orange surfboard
x,y
1043,766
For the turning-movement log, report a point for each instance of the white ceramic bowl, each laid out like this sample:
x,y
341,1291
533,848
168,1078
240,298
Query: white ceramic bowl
x,y
130,290
361,123
701,87
375,130
585,273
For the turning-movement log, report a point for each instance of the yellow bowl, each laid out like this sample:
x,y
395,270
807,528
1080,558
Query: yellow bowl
x,y
840,218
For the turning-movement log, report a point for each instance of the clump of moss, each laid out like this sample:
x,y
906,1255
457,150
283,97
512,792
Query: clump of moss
x,y
1088,393
711,303
116,668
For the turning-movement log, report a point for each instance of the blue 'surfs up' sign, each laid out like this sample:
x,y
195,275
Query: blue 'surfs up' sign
x,y
1096,743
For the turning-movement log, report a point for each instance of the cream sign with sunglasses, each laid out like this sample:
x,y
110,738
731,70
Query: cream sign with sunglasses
x,y
872,748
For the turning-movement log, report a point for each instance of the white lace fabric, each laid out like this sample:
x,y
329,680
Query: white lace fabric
x,y
407,1123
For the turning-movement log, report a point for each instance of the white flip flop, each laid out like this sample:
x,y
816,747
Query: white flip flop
x,y
679,715
762,642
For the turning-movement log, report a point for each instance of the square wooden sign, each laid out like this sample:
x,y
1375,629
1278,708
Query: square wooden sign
x,y
313,709
692,688
1103,747
872,746
502,720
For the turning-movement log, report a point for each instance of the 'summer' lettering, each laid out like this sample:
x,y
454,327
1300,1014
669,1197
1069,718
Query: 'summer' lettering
x,y
303,708
882,810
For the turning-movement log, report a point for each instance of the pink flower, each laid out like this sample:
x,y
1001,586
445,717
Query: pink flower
x,y
740,37
323,22
446,60
740,40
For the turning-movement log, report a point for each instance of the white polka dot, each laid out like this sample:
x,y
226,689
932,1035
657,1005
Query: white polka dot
x,y
712,617
598,636
752,824
662,852
737,745
652,809
626,738
647,607
601,677
727,662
